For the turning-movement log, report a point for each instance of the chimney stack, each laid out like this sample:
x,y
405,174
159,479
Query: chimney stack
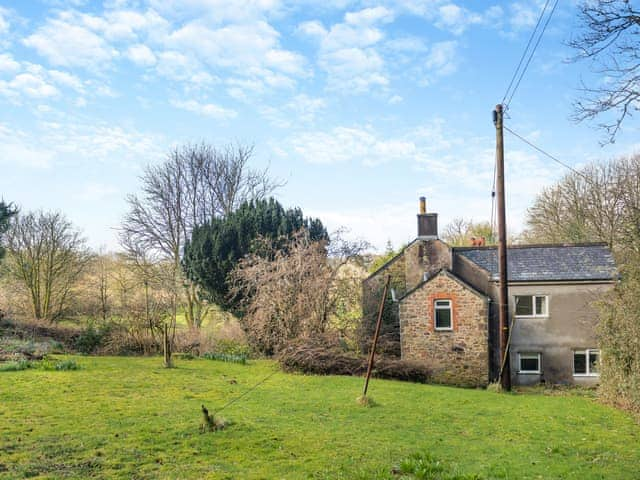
x,y
427,222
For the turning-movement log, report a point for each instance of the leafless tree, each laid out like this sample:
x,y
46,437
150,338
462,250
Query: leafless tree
x,y
601,202
94,293
295,291
609,38
47,256
194,184
459,232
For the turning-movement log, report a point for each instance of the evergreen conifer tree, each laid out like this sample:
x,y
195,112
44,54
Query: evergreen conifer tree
x,y
216,247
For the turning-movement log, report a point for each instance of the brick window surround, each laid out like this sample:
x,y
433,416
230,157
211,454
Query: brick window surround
x,y
431,308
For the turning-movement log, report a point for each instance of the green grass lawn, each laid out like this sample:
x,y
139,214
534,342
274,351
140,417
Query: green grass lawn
x,y
129,418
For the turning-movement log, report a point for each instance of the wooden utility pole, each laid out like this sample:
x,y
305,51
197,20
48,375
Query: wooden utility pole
x,y
503,291
374,344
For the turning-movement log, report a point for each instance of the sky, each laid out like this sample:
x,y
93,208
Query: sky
x,y
359,106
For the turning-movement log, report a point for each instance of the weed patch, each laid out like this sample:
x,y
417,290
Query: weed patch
x,y
225,357
46,364
15,366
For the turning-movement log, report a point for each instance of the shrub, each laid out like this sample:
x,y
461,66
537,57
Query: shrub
x,y
125,340
90,339
407,370
327,356
223,337
57,347
320,357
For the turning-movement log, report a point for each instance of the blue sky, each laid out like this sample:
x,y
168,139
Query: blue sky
x,y
360,106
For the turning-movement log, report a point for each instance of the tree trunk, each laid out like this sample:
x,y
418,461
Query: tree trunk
x,y
166,346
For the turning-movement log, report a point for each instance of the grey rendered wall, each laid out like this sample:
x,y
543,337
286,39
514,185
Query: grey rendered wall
x,y
570,325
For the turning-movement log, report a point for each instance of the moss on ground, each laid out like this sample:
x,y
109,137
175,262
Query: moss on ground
x,y
129,418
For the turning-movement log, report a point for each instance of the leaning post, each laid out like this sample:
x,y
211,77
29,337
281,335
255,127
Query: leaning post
x,y
372,353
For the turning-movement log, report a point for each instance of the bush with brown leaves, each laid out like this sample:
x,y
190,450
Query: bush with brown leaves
x,y
326,356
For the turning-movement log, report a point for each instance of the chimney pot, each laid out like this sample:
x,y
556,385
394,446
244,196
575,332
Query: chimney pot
x,y
423,205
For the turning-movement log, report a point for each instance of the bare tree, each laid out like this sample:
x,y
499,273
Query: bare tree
x,y
95,293
194,184
460,232
610,39
601,202
47,256
295,291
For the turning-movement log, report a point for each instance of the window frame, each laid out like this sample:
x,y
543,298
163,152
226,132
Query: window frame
x,y
587,352
535,314
435,314
538,356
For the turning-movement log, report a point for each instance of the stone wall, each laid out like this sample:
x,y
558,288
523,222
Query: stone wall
x,y
457,357
425,256
407,270
372,288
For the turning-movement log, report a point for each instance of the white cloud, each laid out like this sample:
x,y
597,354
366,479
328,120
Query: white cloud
x,y
442,58
218,11
4,21
68,44
205,109
449,16
77,39
66,79
343,144
369,16
451,162
175,65
300,110
33,81
129,25
100,142
28,84
8,64
457,19
524,15
247,49
354,70
312,28
141,55
348,51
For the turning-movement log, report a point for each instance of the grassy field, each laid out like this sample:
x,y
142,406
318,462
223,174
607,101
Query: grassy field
x,y
128,418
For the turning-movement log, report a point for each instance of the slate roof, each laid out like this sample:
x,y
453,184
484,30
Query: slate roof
x,y
547,262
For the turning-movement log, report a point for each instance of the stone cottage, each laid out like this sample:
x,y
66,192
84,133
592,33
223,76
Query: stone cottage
x,y
445,307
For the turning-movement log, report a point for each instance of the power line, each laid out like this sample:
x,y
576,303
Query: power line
x,y
244,394
544,28
555,159
524,53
